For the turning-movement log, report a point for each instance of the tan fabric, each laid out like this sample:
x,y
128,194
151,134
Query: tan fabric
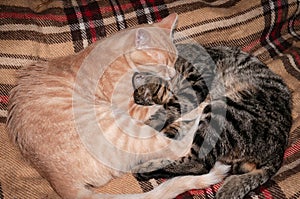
x,y
18,179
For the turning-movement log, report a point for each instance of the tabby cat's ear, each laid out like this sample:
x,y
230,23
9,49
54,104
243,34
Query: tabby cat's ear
x,y
138,80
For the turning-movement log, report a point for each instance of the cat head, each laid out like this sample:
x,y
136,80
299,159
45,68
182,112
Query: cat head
x,y
154,48
145,47
149,89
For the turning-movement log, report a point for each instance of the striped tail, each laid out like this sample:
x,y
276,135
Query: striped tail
x,y
237,186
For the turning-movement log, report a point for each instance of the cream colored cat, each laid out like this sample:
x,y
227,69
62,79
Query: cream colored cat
x,y
72,118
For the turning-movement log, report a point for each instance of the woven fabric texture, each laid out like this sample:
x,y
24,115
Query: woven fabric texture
x,y
32,30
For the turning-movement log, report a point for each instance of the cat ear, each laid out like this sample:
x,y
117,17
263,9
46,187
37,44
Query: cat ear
x,y
138,80
142,38
170,22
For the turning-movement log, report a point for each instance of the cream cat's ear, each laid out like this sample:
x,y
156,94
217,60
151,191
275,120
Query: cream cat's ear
x,y
142,38
169,22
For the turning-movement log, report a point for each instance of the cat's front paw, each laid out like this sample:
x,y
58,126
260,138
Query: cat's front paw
x,y
151,169
143,176
157,174
177,130
156,124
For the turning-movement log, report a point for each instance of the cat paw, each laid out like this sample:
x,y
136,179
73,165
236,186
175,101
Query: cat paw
x,y
156,124
220,170
177,130
157,174
170,132
149,170
151,165
143,176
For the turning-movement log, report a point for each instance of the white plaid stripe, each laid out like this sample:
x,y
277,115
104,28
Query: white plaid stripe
x,y
82,25
119,16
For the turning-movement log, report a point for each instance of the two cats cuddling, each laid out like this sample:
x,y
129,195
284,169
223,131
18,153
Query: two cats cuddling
x,y
239,135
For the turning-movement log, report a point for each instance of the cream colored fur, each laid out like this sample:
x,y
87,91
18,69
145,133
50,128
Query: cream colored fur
x,y
54,105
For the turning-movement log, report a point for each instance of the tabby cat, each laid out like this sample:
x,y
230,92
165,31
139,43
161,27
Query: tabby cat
x,y
246,123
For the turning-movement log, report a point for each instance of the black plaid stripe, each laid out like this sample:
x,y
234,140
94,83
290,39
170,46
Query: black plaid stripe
x,y
158,9
23,21
295,196
149,11
26,16
3,107
27,58
290,172
195,5
1,192
146,186
294,57
85,21
119,14
2,120
5,89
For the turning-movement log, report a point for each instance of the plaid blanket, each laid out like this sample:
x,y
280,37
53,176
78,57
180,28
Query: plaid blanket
x,y
33,30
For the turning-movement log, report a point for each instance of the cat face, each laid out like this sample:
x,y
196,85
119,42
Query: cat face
x,y
149,89
154,48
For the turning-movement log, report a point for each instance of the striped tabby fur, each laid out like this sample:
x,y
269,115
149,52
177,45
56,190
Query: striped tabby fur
x,y
246,123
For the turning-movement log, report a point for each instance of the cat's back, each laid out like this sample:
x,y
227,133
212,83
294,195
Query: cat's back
x,y
258,102
40,109
246,76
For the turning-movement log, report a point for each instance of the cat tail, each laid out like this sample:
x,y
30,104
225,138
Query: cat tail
x,y
175,186
237,186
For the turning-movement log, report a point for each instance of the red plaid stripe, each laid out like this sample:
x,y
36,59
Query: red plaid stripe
x,y
149,11
4,97
277,23
26,14
85,21
295,148
119,14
